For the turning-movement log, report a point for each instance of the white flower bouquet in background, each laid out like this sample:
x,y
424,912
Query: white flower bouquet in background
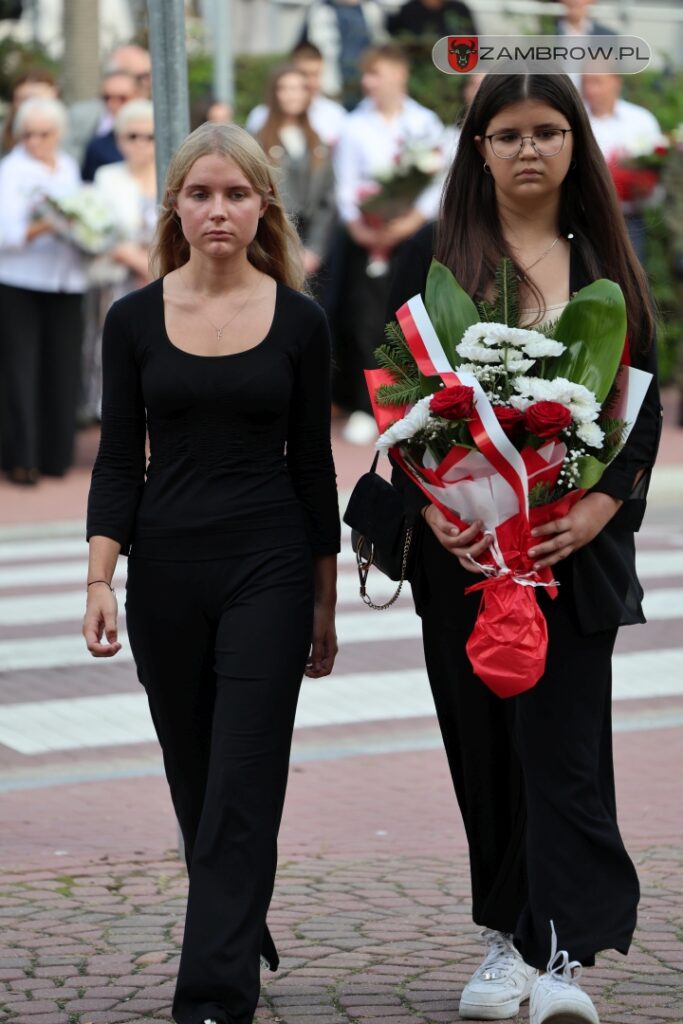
x,y
84,219
395,189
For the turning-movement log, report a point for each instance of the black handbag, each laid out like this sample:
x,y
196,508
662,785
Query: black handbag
x,y
380,534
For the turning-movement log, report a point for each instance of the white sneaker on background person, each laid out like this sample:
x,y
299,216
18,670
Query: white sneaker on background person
x,y
360,428
500,984
557,997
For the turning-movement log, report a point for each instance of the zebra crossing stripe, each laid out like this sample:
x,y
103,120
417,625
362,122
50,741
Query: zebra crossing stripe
x,y
117,719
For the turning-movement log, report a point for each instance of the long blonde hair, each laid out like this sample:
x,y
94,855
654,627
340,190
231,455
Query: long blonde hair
x,y
275,250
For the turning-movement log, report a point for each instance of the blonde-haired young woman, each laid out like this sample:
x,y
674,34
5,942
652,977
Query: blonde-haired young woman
x,y
231,530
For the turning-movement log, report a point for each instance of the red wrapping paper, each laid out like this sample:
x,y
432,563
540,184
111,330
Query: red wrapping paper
x,y
508,645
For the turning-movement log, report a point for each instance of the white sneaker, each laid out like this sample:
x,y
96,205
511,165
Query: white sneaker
x,y
556,998
500,984
360,428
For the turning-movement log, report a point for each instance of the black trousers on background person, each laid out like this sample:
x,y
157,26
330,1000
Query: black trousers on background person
x,y
533,775
362,317
40,351
220,648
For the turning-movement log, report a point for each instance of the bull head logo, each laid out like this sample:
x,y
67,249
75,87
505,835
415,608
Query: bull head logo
x,y
463,53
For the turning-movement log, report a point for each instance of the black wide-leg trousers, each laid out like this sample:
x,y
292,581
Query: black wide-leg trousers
x,y
533,775
220,648
40,352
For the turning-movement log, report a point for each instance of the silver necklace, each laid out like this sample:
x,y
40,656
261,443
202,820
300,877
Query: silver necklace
x,y
219,330
543,255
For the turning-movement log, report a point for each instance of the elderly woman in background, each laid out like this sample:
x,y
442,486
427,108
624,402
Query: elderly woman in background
x,y
33,82
42,281
129,189
306,176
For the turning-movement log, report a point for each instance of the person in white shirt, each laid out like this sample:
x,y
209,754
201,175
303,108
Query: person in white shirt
x,y
621,129
129,188
326,116
42,281
373,136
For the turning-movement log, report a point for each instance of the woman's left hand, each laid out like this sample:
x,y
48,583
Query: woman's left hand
x,y
562,536
324,647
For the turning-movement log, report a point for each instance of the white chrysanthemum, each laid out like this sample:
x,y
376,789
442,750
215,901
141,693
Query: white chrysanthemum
x,y
415,420
521,402
542,347
482,371
591,434
478,352
516,364
478,334
581,402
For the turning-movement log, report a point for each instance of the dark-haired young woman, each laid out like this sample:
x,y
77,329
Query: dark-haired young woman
x,y
231,530
533,774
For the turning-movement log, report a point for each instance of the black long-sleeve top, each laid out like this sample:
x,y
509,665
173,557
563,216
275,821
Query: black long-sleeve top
x,y
602,575
239,444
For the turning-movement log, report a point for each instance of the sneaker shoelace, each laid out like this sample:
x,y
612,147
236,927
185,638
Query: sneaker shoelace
x,y
500,959
560,967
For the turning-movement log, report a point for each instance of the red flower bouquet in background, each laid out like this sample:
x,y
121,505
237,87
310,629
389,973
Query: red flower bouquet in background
x,y
636,173
509,426
394,192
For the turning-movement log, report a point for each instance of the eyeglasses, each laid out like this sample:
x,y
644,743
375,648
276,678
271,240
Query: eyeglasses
x,y
134,136
26,136
545,142
115,97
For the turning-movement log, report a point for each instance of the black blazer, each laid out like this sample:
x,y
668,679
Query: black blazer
x,y
101,150
603,580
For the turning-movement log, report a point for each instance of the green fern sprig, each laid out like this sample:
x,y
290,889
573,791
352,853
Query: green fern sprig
x,y
395,357
401,393
395,339
507,293
487,311
387,360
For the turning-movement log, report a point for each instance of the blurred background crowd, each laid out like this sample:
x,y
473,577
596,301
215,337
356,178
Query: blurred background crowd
x,y
362,129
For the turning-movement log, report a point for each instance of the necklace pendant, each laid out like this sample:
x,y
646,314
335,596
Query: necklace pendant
x,y
219,333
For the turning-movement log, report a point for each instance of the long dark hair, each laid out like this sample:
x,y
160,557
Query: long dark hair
x,y
469,235
269,136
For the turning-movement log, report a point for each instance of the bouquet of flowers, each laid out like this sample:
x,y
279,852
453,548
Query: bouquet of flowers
x,y
508,426
636,171
394,191
84,219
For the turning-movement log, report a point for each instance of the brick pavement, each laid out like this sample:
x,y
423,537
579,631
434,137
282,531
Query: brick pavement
x,y
371,909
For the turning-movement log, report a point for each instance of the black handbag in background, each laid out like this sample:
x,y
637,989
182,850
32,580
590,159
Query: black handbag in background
x,y
380,534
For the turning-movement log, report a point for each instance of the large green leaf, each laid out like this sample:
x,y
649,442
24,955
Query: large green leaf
x,y
593,327
590,471
450,309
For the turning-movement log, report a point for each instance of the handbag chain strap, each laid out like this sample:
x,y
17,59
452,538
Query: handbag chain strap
x,y
364,565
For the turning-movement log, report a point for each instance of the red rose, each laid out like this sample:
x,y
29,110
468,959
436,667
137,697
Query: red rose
x,y
545,419
507,417
454,403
